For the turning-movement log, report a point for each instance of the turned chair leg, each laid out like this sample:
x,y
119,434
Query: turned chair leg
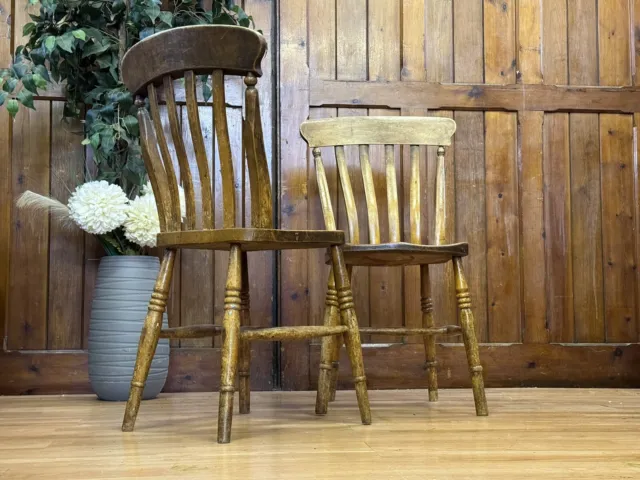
x,y
327,356
231,345
429,340
352,336
467,323
244,370
149,340
337,346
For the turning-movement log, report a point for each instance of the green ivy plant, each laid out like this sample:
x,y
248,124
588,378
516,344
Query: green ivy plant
x,y
80,43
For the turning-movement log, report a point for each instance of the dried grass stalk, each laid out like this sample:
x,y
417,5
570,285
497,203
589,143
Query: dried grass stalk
x,y
34,202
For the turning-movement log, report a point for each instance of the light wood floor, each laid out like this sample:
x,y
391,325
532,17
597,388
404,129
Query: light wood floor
x,y
531,433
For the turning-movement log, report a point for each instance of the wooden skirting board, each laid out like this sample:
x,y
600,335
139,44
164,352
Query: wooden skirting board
x,y
394,366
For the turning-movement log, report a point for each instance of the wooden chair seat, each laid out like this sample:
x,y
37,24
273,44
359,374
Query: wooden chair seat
x,y
251,239
401,253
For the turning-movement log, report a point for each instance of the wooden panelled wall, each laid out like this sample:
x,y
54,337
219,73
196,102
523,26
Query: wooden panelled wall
x,y
543,182
542,177
47,274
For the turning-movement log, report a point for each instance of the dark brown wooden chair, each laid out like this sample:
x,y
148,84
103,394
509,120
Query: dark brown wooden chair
x,y
390,131
219,51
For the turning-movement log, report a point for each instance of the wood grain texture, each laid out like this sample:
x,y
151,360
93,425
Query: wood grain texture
x,y
557,207
503,263
197,268
474,96
293,186
66,247
29,266
532,228
470,225
586,217
618,244
614,38
503,259
586,433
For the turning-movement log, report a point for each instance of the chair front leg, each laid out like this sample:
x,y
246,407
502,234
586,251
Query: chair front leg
x,y
244,372
467,323
426,304
352,336
149,340
329,345
231,345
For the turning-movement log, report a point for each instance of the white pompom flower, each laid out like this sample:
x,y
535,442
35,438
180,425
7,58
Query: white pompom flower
x,y
98,207
142,224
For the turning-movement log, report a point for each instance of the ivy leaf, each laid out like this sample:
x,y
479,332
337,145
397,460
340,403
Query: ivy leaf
x,y
95,140
20,69
25,97
86,141
43,72
50,43
65,42
166,18
3,96
206,91
9,84
28,28
12,107
79,34
131,124
38,55
39,81
29,83
153,12
95,48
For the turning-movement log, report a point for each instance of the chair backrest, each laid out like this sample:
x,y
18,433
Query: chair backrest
x,y
187,53
387,131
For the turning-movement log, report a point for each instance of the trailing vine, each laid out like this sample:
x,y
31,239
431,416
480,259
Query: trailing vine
x,y
80,43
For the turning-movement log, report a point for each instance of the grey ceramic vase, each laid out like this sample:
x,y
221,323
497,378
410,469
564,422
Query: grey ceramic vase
x,y
122,293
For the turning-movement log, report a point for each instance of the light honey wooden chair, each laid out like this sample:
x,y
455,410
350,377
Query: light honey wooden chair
x,y
149,69
411,132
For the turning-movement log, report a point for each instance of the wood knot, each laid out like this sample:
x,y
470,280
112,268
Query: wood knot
x,y
250,80
426,305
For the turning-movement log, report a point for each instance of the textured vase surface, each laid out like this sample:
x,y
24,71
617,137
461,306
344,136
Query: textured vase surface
x,y
123,289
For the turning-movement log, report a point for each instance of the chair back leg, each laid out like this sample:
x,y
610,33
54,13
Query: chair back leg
x,y
231,345
426,304
244,370
467,322
149,339
352,336
326,374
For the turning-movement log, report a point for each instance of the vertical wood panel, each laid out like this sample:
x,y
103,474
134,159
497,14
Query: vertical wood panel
x,y
586,219
351,64
533,287
470,210
413,69
197,287
66,246
261,265
5,174
30,237
618,243
294,94
439,55
503,262
557,198
385,283
617,186
322,64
